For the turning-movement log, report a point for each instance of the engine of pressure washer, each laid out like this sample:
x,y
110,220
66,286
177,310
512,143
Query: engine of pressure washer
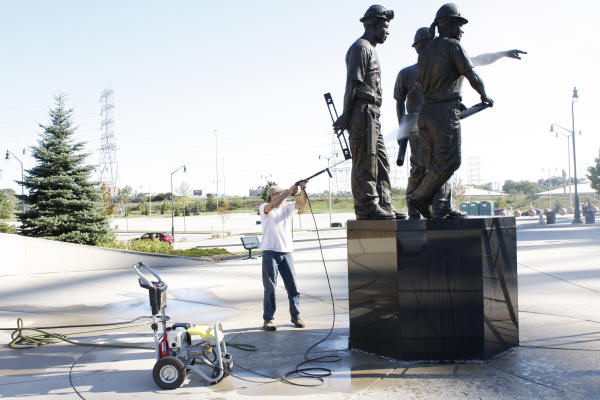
x,y
179,342
177,338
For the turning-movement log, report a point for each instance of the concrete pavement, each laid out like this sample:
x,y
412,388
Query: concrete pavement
x,y
559,357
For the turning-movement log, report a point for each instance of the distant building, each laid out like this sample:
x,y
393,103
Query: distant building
x,y
256,192
197,192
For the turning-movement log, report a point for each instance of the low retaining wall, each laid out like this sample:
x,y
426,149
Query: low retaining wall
x,y
24,255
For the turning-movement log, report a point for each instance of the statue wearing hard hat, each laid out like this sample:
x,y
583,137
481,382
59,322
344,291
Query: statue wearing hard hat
x,y
362,100
441,67
409,102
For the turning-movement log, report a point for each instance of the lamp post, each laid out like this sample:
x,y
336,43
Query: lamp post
x,y
574,99
329,185
8,154
217,162
549,186
568,156
173,203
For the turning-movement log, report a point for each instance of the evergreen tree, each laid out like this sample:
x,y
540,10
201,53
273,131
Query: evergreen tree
x,y
63,203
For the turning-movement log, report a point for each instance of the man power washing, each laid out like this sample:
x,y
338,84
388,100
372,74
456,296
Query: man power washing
x,y
442,66
409,102
277,247
370,179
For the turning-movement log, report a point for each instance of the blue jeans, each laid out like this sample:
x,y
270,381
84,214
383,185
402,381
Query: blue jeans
x,y
272,263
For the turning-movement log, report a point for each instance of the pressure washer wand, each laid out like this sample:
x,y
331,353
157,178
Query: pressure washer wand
x,y
319,173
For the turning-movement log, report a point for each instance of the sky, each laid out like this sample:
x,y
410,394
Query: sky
x,y
240,84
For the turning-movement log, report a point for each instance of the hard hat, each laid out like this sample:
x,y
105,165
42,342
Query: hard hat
x,y
450,10
377,11
421,35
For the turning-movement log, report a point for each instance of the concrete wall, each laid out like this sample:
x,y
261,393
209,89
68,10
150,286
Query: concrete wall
x,y
23,255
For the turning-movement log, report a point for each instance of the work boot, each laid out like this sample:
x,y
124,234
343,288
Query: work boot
x,y
269,326
449,214
414,202
456,214
397,214
298,323
375,212
413,214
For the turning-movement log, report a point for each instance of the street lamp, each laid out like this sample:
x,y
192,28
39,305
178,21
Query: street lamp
x,y
328,158
8,154
173,203
568,155
549,186
574,99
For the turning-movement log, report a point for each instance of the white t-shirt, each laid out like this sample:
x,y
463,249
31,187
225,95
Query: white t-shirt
x,y
277,227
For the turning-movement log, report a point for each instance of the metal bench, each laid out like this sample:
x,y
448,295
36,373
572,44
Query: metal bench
x,y
250,243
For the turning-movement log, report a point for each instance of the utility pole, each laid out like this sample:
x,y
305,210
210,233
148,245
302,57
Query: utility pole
x,y
217,162
107,166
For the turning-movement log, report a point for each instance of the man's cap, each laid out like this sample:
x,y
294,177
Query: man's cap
x,y
377,11
450,10
421,35
273,189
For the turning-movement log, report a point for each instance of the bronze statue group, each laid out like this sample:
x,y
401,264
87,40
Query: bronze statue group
x,y
428,104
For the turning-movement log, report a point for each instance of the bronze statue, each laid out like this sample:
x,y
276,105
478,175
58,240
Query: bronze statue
x,y
441,67
371,186
409,102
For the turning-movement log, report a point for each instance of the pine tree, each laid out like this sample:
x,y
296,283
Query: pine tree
x,y
63,203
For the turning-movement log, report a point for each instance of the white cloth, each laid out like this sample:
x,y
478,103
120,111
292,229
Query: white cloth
x,y
277,227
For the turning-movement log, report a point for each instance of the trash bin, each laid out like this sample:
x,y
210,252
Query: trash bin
x,y
590,217
486,207
550,217
473,208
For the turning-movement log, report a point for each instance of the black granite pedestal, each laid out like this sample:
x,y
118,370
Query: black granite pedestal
x,y
433,289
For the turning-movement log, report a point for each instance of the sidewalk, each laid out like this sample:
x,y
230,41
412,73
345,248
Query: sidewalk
x,y
559,357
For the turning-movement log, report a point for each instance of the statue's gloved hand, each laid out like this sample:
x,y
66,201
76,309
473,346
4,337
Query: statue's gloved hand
x,y
461,107
485,99
514,53
342,122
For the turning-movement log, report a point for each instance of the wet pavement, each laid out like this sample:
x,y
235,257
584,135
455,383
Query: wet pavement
x,y
559,356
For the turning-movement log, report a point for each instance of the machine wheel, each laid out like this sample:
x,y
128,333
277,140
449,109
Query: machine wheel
x,y
169,372
227,368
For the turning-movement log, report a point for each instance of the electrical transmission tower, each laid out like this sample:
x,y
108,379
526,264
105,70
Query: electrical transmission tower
x,y
107,167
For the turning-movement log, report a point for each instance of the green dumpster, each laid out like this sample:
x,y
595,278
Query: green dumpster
x,y
486,207
473,208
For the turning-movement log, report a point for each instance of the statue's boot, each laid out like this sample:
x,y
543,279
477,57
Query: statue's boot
x,y
422,197
397,214
447,212
375,212
413,213
442,205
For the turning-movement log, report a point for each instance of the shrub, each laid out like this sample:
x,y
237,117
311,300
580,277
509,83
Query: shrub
x,y
211,203
158,247
6,228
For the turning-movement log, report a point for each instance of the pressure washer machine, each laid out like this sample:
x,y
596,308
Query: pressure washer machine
x,y
175,353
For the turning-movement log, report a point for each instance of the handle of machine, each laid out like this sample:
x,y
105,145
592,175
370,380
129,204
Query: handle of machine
x,y
138,270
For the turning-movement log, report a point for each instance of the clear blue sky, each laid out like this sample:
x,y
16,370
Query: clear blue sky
x,y
256,71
